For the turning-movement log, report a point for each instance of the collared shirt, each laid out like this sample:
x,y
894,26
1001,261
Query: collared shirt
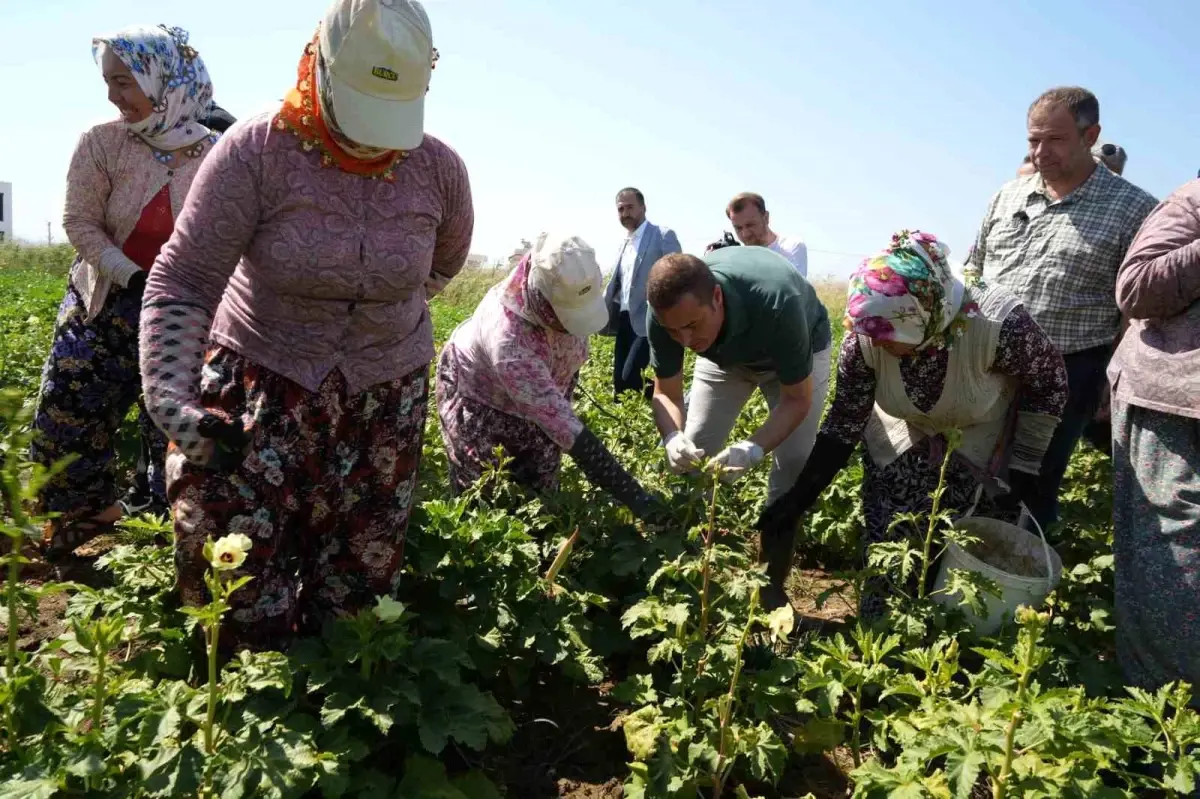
x,y
794,250
1061,256
774,320
628,261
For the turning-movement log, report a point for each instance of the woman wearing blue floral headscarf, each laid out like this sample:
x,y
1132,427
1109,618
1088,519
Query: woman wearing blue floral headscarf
x,y
125,185
927,351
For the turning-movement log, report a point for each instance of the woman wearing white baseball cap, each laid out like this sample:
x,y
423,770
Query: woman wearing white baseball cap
x,y
286,340
507,374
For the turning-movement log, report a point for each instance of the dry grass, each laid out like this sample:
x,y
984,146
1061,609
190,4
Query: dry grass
x,y
833,294
457,301
55,259
468,288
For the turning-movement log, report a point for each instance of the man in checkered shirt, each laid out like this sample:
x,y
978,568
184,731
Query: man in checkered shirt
x,y
1056,239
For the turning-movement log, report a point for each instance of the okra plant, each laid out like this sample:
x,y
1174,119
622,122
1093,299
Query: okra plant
x,y
427,692
693,732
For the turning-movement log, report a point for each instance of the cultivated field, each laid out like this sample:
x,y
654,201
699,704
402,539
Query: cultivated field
x,y
639,664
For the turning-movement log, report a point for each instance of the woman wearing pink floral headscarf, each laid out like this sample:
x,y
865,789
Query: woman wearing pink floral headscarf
x,y
927,351
507,376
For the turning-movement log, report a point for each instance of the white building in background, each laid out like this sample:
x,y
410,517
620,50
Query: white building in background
x,y
519,253
6,225
476,261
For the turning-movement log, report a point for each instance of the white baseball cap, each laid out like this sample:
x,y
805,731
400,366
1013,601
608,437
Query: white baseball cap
x,y
378,58
564,269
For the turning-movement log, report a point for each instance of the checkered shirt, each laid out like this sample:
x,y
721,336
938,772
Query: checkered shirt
x,y
1061,257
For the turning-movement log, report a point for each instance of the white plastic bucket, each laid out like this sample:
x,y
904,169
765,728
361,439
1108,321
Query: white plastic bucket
x,y
1015,589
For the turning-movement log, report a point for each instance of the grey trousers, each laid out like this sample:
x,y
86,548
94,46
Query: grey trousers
x,y
1156,545
717,397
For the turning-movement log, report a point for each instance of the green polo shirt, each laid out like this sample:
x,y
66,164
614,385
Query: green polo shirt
x,y
773,319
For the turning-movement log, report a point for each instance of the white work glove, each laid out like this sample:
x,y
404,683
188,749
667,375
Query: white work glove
x,y
434,285
738,459
682,455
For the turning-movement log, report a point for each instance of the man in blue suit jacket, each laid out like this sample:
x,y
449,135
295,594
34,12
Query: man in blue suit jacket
x,y
626,292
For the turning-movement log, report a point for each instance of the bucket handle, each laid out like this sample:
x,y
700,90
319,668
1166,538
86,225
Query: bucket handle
x,y
1025,512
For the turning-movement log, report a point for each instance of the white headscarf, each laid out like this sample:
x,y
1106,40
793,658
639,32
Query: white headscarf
x,y
172,76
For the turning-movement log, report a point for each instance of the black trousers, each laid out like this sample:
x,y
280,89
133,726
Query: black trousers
x,y
1085,379
631,355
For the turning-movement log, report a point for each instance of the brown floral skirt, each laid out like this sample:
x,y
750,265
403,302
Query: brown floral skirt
x,y
324,493
471,431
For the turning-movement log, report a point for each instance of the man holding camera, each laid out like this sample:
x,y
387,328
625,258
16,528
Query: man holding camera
x,y
752,224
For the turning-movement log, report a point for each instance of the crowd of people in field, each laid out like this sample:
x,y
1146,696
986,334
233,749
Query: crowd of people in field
x,y
260,291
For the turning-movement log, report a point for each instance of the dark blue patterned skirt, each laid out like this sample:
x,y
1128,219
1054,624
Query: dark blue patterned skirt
x,y
89,383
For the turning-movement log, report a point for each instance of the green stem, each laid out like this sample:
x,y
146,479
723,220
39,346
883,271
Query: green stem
x,y
214,631
709,540
12,503
933,516
1170,740
1000,787
214,634
723,769
856,732
10,661
98,698
1170,749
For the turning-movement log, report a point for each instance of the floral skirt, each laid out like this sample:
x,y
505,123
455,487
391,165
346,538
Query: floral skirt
x,y
324,494
1156,545
90,381
471,431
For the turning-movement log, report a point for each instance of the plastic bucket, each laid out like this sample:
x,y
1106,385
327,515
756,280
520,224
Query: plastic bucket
x,y
1015,589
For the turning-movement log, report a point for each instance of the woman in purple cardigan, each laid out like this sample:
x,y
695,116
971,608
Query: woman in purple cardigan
x,y
1155,376
286,339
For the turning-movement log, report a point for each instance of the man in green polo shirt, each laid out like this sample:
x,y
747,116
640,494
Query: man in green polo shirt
x,y
755,323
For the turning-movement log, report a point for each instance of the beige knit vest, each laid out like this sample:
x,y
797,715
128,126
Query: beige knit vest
x,y
974,399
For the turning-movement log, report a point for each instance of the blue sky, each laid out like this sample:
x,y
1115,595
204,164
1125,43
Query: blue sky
x,y
852,119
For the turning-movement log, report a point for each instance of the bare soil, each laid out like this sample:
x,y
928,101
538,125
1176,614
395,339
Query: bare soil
x,y
571,789
568,743
805,587
49,622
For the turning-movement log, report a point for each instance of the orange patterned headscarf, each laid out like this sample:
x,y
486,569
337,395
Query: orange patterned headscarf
x,y
302,114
